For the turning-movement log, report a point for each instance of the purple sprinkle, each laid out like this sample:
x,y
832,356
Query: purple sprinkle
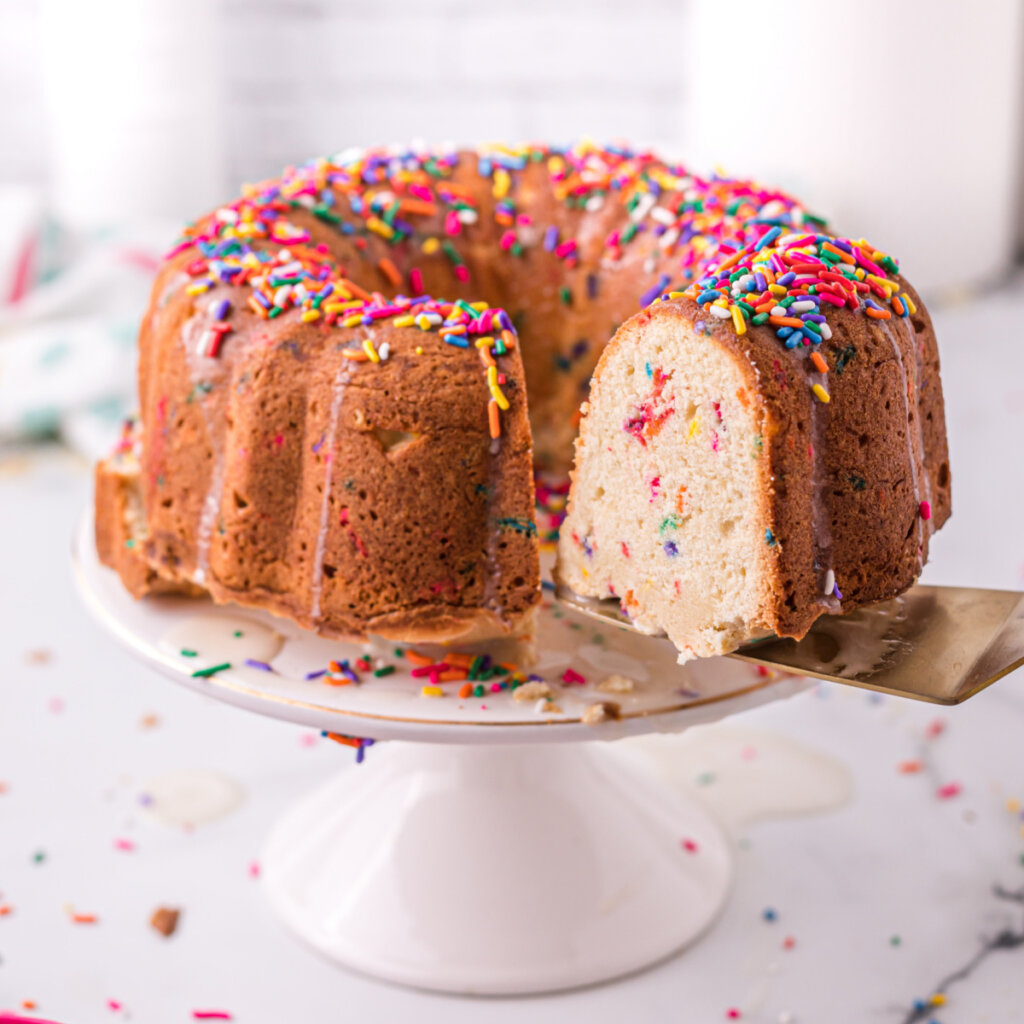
x,y
221,309
787,278
551,238
814,318
671,549
317,674
835,590
262,665
592,285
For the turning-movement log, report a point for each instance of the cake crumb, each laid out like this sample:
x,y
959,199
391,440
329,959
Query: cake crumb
x,y
532,691
165,920
617,684
546,707
602,711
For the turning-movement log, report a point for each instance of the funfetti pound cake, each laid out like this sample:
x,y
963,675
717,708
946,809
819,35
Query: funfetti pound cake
x,y
347,375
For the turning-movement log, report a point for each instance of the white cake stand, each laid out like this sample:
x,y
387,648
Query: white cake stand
x,y
486,852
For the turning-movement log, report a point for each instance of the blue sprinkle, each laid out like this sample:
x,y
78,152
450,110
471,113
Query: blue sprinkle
x,y
769,538
767,238
769,914
709,296
649,371
457,340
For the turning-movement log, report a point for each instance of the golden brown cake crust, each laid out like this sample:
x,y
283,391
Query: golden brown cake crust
x,y
370,496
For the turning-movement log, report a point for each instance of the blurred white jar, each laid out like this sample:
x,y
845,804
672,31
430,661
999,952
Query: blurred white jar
x,y
899,122
134,96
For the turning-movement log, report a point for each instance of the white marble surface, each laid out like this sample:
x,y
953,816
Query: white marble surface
x,y
896,860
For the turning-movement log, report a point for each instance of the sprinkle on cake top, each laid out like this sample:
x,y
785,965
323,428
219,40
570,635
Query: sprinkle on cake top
x,y
745,253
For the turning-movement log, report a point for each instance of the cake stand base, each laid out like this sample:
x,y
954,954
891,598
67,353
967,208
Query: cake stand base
x,y
497,869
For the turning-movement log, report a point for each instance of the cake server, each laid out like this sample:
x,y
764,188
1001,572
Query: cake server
x,y
937,644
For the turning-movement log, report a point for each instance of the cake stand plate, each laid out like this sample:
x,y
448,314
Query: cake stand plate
x,y
484,853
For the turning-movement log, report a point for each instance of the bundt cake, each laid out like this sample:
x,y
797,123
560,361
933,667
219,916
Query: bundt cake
x,y
319,436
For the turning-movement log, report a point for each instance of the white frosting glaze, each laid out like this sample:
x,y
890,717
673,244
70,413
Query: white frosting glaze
x,y
190,797
316,581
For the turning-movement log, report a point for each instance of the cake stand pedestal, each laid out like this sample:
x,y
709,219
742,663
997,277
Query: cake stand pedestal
x,y
488,851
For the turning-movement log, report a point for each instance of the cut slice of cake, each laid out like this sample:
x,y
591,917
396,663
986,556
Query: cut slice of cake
x,y
719,497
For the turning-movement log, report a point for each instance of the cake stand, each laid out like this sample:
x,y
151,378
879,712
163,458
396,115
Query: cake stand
x,y
496,848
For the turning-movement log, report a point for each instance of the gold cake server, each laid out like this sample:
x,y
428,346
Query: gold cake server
x,y
938,644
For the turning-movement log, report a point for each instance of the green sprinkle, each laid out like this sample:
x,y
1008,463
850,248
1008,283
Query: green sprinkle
x,y
478,690
187,653
205,673
384,670
39,857
759,318
399,653
238,632
705,778
566,296
895,940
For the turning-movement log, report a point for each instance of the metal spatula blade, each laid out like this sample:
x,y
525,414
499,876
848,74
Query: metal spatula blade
x,y
938,644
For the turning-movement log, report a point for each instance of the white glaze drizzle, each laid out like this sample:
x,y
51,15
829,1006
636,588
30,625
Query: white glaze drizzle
x,y
820,526
341,379
912,456
192,337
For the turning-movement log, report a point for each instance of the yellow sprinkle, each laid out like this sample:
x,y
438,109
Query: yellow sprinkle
x,y
378,226
1013,805
492,376
694,426
351,321
938,999
910,303
738,320
497,395
821,393
776,289
484,342
310,315
404,321
423,322
432,691
479,306
419,350
340,307
677,295
198,288
370,350
431,245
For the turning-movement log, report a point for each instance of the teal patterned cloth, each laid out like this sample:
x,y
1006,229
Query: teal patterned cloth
x,y
67,344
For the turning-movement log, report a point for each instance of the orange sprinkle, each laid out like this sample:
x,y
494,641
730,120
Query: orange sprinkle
x,y
390,271
418,659
486,358
897,305
331,681
418,206
878,314
461,660
257,308
84,918
358,292
785,321
910,767
510,340
466,690
836,251
28,1004
451,675
819,362
494,418
5,910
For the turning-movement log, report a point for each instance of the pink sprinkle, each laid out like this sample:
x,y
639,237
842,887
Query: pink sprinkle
x,y
211,1015
733,1014
572,676
113,1004
452,225
462,272
495,687
748,753
308,739
926,510
254,869
936,727
788,942
690,846
949,790
124,844
508,239
416,280
625,548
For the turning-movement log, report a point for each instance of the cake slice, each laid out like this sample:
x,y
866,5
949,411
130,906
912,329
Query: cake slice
x,y
720,492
